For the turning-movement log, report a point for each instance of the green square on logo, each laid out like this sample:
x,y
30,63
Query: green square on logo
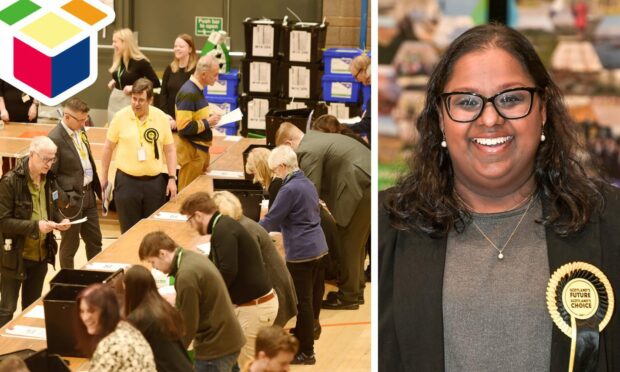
x,y
18,11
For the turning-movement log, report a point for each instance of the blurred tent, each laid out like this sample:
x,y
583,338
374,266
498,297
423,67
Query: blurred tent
x,y
449,28
576,57
415,57
607,41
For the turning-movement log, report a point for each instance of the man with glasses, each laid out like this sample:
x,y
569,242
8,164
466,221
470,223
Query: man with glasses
x,y
238,258
78,182
27,218
142,138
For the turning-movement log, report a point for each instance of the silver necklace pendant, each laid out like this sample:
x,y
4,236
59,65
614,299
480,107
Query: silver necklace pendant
x,y
500,256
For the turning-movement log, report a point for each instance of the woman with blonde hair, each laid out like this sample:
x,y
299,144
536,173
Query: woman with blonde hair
x,y
128,65
360,69
258,165
177,72
229,205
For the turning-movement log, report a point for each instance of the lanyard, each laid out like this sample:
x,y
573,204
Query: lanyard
x,y
214,222
179,258
78,144
119,74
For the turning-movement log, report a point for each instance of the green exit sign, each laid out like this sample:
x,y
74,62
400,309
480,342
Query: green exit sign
x,y
206,25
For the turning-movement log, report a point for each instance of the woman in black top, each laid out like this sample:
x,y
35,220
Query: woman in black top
x,y
128,65
16,106
178,72
159,322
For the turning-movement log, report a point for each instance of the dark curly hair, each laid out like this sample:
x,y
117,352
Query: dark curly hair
x,y
424,198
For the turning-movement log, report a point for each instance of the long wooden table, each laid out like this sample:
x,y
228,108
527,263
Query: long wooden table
x,y
125,248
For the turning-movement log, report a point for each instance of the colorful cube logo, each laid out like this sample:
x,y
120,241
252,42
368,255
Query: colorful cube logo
x,y
49,47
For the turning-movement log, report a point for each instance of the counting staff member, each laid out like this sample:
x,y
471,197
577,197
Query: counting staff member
x,y
141,135
77,179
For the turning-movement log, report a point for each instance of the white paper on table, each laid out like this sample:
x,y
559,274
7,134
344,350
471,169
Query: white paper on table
x,y
351,121
27,332
233,138
161,279
231,117
204,248
264,204
170,216
225,174
339,110
36,312
106,266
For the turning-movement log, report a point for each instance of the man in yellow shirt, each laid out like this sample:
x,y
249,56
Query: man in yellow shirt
x,y
141,136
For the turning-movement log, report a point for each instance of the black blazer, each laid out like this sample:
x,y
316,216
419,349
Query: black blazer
x,y
68,167
411,266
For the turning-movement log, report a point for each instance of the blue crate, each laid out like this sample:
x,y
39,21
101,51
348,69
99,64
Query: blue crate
x,y
340,88
224,104
226,85
229,129
338,60
366,96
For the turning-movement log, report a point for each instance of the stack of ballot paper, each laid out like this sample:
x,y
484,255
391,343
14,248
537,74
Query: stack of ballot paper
x,y
170,216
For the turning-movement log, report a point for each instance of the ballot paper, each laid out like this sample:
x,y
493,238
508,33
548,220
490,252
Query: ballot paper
x,y
107,198
170,216
75,222
37,333
204,248
225,174
233,138
106,266
351,121
36,312
231,117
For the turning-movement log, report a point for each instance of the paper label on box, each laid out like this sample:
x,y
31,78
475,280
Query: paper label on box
x,y
340,66
342,89
339,110
295,105
219,107
260,77
218,88
262,41
299,49
298,82
257,109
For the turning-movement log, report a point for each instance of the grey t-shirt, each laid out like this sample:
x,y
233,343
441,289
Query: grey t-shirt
x,y
494,311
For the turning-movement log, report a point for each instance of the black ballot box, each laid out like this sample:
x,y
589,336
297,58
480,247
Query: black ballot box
x,y
39,361
301,118
44,361
60,307
245,154
250,194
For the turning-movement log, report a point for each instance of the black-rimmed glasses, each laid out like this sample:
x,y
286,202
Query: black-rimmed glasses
x,y
465,107
81,121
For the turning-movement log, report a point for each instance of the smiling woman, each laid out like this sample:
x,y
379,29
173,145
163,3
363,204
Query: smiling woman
x,y
112,343
497,198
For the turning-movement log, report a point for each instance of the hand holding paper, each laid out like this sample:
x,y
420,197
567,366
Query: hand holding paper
x,y
232,117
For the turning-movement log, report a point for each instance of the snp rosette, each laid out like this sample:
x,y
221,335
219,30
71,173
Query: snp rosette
x,y
580,301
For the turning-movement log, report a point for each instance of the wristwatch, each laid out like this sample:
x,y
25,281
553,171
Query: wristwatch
x,y
172,177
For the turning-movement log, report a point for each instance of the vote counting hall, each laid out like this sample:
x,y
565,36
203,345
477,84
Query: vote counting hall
x,y
203,205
